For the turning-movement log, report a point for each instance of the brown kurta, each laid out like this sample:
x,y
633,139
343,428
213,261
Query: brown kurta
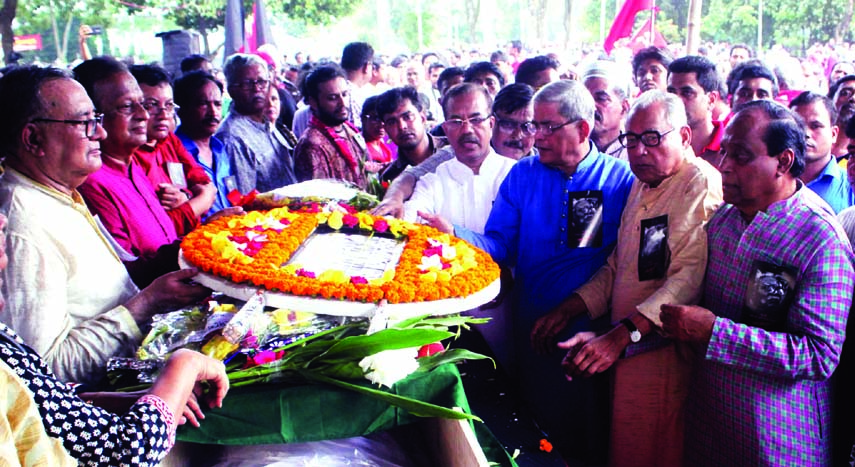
x,y
317,156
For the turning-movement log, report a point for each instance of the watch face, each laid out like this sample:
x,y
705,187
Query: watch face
x,y
635,336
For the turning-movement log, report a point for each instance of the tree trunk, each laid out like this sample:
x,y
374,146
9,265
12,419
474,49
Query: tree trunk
x,y
538,12
7,14
845,22
63,59
473,10
569,30
693,34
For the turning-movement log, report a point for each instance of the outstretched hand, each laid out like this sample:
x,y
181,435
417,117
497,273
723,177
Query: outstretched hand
x,y
438,222
588,354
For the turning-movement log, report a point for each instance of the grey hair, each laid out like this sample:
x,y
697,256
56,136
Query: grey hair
x,y
237,62
573,99
618,79
675,111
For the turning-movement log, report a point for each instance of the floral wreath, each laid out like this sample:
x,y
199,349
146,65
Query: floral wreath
x,y
255,248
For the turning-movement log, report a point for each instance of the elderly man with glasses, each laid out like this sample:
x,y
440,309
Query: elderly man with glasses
x,y
69,295
260,155
533,226
119,193
659,258
463,188
183,187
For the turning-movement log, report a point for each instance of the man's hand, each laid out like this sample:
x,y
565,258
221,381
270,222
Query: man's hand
x,y
548,326
169,291
390,206
438,222
170,196
687,323
588,355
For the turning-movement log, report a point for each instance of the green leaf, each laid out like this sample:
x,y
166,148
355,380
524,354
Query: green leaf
x,y
357,347
449,356
415,407
342,370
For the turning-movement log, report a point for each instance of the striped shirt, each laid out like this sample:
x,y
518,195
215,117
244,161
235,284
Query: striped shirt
x,y
781,287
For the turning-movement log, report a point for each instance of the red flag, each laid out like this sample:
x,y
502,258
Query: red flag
x,y
622,27
642,39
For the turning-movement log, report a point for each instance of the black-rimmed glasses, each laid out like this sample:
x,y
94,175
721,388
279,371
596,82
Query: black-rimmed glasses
x,y
649,138
509,126
89,126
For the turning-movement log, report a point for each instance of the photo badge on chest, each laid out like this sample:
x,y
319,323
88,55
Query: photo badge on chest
x,y
654,255
768,295
585,219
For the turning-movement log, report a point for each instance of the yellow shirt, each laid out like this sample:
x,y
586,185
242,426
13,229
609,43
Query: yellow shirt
x,y
675,258
23,439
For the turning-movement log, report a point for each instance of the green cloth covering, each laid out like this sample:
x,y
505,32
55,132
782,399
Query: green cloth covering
x,y
275,413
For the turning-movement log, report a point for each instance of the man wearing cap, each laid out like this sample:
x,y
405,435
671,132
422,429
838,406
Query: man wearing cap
x,y
610,89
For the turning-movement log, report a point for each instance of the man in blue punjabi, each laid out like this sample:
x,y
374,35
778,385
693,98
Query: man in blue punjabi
x,y
555,220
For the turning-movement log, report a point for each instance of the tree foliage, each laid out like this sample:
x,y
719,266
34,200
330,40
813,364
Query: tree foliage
x,y
57,22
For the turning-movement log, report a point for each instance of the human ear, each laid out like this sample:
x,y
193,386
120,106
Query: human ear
x,y
31,138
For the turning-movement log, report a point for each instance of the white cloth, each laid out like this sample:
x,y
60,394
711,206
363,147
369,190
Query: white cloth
x,y
457,194
301,121
64,285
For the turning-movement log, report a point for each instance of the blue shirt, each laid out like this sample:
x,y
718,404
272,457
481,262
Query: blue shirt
x,y
832,185
530,221
218,173
534,226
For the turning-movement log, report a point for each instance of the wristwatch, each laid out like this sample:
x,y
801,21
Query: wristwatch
x,y
634,333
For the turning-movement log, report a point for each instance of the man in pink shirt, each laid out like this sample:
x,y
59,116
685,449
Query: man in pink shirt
x,y
119,193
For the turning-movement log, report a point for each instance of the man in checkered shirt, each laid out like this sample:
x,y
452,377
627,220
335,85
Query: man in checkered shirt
x,y
778,290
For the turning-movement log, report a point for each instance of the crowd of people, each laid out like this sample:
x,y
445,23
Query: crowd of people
x,y
674,234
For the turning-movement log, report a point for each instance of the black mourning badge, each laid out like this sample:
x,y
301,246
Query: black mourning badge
x,y
768,295
654,255
585,219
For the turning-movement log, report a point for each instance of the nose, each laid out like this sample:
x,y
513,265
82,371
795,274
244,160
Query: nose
x,y
140,112
100,133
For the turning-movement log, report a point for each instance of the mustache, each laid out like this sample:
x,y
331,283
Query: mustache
x,y
468,139
210,120
514,143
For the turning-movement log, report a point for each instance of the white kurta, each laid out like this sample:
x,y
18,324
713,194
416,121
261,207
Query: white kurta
x,y
457,194
64,285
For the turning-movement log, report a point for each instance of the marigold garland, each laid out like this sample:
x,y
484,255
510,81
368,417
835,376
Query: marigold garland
x,y
254,247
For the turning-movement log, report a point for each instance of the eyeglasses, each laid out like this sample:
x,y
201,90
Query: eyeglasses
x,y
546,129
408,117
250,84
457,123
129,108
373,118
154,108
650,138
509,126
89,126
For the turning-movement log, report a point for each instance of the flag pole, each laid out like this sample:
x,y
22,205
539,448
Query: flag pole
x,y
652,23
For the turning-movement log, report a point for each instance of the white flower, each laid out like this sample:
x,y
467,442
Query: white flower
x,y
431,263
389,366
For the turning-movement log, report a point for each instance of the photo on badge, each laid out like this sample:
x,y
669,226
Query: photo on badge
x,y
585,219
654,254
768,295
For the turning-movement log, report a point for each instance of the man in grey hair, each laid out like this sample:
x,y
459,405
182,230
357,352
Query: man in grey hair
x,y
260,156
660,258
610,89
555,220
